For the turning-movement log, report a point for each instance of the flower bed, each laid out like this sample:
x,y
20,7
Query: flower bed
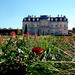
x,y
25,53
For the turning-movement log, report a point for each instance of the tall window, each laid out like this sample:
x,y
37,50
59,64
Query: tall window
x,y
60,25
28,30
55,31
37,31
56,25
44,23
51,24
60,31
48,23
28,24
51,30
33,24
64,25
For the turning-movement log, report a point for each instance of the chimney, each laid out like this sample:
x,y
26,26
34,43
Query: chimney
x,y
58,15
61,15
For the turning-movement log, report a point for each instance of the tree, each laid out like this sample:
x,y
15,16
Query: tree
x,y
18,31
38,32
25,29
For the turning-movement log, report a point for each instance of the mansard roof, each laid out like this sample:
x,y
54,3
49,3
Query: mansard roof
x,y
34,18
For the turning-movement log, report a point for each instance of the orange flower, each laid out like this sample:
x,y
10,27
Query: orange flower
x,y
20,39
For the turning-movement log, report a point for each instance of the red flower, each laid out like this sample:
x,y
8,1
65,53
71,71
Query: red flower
x,y
36,35
27,34
65,39
2,37
20,39
13,48
37,49
72,35
8,51
13,33
68,51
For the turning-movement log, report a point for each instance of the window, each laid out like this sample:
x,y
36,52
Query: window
x,y
51,19
60,25
48,23
56,19
44,23
37,31
33,24
64,25
51,24
64,32
64,19
28,30
33,19
28,24
60,29
55,31
56,25
25,19
60,19
51,30
29,19
37,19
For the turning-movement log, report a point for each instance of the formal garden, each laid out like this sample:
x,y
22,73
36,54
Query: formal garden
x,y
37,55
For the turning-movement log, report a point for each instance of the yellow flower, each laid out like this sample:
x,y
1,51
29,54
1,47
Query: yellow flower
x,y
14,37
25,56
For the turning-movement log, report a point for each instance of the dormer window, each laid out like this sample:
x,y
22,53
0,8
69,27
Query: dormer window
x,y
29,19
25,19
33,19
37,19
60,19
64,19
56,19
51,19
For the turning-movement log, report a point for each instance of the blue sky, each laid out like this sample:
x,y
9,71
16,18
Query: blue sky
x,y
12,12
